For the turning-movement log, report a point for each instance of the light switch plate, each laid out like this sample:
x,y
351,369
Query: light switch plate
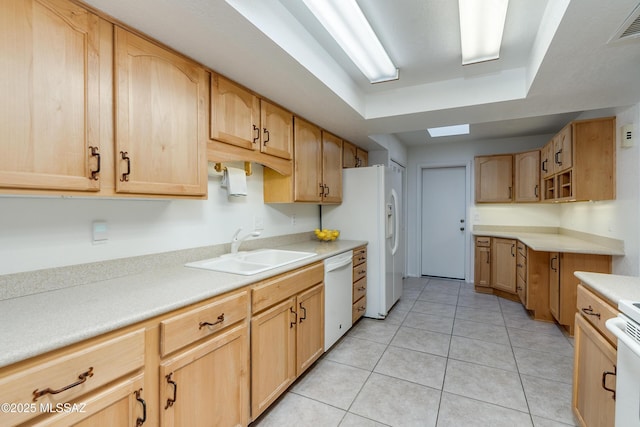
x,y
626,135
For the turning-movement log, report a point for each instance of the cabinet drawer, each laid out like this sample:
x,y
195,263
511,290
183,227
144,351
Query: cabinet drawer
x,y
81,370
359,271
183,329
359,255
272,291
596,311
483,241
358,309
359,289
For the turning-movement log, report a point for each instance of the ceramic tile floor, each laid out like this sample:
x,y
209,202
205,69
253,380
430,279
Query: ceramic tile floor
x,y
445,356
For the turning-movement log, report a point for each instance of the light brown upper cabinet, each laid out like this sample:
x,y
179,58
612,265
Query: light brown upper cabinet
x,y
317,176
349,155
249,128
331,168
353,157
527,176
50,103
160,104
494,178
579,162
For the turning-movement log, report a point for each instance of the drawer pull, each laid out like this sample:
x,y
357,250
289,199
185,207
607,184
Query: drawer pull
x,y
361,288
361,309
220,320
81,379
170,401
589,312
604,382
141,421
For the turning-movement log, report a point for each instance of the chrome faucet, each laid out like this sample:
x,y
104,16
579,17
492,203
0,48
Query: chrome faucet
x,y
236,242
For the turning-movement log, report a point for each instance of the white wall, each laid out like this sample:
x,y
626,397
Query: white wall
x,y
462,154
619,218
39,232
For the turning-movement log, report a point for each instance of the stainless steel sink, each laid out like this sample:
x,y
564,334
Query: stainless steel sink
x,y
252,262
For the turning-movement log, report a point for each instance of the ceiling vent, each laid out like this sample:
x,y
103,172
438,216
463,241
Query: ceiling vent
x,y
630,28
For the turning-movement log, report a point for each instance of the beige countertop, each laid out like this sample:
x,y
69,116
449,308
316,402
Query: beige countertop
x,y
38,323
554,242
611,286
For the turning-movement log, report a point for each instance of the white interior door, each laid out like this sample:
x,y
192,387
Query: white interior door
x,y
443,222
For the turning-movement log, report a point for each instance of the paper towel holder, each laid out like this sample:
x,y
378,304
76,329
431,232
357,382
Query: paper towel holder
x,y
247,168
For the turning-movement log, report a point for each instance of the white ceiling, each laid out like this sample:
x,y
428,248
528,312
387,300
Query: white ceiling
x,y
556,62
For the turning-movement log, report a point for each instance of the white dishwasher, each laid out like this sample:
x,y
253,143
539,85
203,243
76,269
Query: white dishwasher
x,y
338,291
626,327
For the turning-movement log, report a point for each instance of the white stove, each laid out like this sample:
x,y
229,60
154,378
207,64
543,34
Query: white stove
x,y
626,327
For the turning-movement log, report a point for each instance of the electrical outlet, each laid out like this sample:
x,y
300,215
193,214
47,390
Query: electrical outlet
x,y
258,223
100,232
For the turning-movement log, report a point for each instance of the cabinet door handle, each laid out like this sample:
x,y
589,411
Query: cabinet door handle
x,y
513,245
292,324
171,401
555,258
544,165
220,319
304,316
96,154
604,382
535,190
488,257
589,312
321,190
125,176
141,421
257,131
326,188
510,192
82,378
266,132
557,154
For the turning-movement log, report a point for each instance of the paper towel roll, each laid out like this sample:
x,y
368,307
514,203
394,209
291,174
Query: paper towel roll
x,y
235,181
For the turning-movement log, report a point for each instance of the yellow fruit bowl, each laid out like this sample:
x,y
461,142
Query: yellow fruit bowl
x,y
326,235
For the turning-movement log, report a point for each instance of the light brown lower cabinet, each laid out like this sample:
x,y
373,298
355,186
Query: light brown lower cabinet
x,y
482,264
287,332
122,404
503,264
594,369
563,284
208,385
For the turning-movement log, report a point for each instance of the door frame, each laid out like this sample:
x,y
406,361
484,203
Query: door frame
x,y
467,229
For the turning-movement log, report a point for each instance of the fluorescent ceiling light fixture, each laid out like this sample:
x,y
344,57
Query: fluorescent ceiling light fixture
x,y
346,23
449,130
481,27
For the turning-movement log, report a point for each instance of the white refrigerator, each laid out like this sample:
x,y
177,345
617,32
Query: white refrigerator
x,y
370,211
